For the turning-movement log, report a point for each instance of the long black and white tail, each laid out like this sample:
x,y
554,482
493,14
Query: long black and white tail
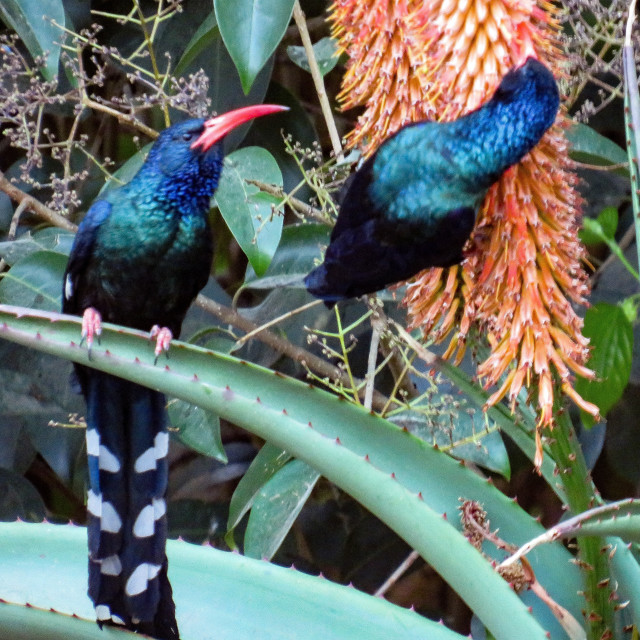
x,y
127,444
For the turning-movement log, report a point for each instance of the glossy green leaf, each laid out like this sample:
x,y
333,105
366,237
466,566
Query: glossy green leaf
x,y
49,239
276,507
297,253
203,38
590,147
126,171
32,21
593,231
611,335
601,229
197,428
219,596
251,30
19,498
35,281
325,52
248,211
267,462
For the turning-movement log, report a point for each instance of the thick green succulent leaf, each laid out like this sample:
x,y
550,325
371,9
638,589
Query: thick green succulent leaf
x,y
247,210
35,281
33,20
466,433
405,482
611,334
251,30
219,595
325,52
276,507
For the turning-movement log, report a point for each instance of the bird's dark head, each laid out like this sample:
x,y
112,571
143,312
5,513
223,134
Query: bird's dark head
x,y
189,155
531,85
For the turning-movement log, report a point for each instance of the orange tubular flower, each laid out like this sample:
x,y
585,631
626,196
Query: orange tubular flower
x,y
386,71
523,261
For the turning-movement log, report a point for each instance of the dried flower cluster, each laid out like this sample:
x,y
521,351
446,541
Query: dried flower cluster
x,y
523,263
593,36
30,107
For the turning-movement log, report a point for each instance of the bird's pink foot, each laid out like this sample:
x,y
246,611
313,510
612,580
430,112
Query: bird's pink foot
x,y
91,327
162,336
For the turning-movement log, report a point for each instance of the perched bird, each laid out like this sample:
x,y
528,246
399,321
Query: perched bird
x,y
140,256
413,203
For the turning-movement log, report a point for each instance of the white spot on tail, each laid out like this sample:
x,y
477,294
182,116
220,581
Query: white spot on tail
x,y
147,460
110,520
139,579
103,612
68,292
111,566
107,461
159,507
93,442
161,444
94,503
144,524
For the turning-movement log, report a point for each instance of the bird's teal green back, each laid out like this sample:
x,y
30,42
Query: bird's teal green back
x,y
429,168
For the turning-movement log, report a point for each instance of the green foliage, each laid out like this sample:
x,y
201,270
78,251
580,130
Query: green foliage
x,y
251,30
611,336
325,52
33,21
403,463
249,597
251,215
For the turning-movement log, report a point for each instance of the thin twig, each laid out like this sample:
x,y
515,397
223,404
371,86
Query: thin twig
x,y
281,345
30,203
298,16
393,578
377,328
297,205
266,325
121,117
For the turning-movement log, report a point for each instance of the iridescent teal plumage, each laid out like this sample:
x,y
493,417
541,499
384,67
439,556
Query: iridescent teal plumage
x,y
413,203
141,254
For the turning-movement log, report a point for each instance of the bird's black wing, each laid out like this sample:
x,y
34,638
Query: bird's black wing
x,y
81,252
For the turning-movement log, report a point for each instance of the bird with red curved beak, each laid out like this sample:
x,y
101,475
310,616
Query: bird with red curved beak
x,y
140,257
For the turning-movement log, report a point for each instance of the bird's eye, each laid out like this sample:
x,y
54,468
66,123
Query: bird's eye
x,y
187,136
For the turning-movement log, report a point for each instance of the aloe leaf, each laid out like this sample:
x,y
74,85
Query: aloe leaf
x,y
218,595
405,482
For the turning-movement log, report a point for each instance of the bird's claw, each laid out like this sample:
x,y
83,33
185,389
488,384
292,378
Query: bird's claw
x,y
91,327
163,337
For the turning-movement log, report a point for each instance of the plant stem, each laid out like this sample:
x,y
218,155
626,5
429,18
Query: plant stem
x,y
301,23
581,495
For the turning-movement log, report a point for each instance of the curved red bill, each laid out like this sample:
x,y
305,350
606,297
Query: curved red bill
x,y
216,128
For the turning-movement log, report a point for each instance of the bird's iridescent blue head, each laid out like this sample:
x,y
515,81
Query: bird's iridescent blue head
x,y
189,155
531,86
